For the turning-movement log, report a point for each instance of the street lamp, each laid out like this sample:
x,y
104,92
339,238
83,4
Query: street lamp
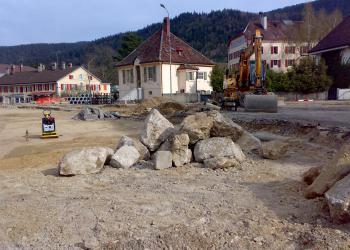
x,y
171,87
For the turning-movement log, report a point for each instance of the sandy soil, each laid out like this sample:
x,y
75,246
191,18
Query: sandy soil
x,y
257,206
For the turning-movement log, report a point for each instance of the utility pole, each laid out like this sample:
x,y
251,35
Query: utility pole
x,y
169,38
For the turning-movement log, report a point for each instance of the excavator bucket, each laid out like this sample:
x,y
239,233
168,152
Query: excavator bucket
x,y
261,103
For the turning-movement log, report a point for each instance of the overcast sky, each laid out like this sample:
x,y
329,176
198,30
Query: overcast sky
x,y
33,21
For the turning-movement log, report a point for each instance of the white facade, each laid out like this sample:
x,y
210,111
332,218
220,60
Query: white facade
x,y
279,55
153,79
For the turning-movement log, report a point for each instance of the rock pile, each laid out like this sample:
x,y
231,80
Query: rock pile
x,y
333,182
205,139
90,113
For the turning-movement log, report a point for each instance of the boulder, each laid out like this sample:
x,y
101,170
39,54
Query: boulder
x,y
248,143
180,151
127,141
274,149
162,160
125,157
310,175
84,161
267,136
217,147
221,162
224,127
338,168
156,130
338,198
197,127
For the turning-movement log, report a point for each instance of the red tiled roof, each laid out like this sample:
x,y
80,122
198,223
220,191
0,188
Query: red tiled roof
x,y
338,37
4,67
46,76
156,49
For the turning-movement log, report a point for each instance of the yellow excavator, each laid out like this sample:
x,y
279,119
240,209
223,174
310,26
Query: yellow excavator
x,y
247,88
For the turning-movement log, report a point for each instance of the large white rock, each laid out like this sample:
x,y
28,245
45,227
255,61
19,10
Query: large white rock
x,y
217,147
248,143
84,161
125,157
180,151
162,160
127,141
338,198
197,127
224,127
156,130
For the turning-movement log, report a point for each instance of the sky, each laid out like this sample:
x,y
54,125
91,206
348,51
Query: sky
x,y
52,21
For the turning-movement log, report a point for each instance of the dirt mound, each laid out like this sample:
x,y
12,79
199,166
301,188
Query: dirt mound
x,y
169,108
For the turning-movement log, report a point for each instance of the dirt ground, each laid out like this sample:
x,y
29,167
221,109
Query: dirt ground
x,y
257,206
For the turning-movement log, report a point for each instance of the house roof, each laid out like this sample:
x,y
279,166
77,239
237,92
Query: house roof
x,y
5,67
337,38
46,76
276,30
187,66
156,49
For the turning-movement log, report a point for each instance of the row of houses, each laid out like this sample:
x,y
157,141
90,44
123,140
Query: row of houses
x,y
166,65
21,84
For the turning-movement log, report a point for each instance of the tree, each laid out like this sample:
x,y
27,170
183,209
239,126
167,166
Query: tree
x,y
309,76
217,78
130,41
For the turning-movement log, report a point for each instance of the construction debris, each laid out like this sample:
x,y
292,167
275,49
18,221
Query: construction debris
x,y
84,161
197,127
274,150
125,157
90,113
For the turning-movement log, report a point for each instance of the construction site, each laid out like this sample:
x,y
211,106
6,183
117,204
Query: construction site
x,y
233,180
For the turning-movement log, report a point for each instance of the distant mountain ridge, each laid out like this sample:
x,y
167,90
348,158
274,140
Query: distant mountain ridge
x,y
206,32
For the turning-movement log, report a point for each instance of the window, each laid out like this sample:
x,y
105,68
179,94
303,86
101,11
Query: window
x,y
81,77
71,77
128,76
304,49
290,50
274,50
289,63
275,63
202,75
189,76
262,50
150,74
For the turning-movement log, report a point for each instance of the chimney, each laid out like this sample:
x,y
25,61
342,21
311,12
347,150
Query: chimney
x,y
54,66
8,71
40,67
63,65
166,25
70,65
21,68
12,69
263,20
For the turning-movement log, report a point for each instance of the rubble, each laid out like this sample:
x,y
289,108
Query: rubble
x,y
217,147
274,150
338,198
180,152
337,169
162,160
310,175
156,130
84,161
221,162
90,113
125,157
224,127
197,127
142,149
249,143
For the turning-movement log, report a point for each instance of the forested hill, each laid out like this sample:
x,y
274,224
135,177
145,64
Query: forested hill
x,y
207,32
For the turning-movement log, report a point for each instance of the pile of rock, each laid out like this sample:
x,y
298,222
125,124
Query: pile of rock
x,y
90,113
333,182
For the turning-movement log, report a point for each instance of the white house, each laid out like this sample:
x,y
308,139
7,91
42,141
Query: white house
x,y
147,71
279,52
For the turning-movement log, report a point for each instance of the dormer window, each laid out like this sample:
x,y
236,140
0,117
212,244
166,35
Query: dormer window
x,y
179,51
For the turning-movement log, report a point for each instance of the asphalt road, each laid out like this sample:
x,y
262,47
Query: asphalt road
x,y
324,115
